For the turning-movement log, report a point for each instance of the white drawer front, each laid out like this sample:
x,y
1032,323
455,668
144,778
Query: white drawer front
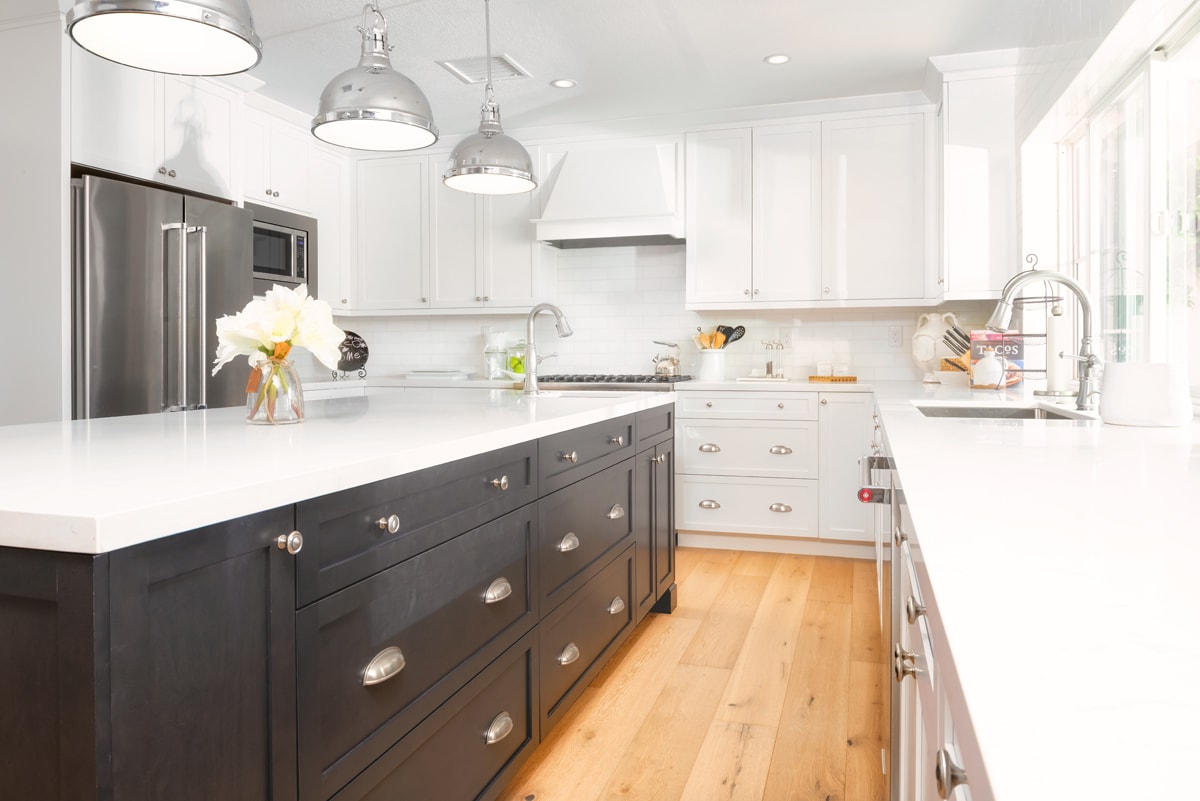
x,y
734,405
783,507
769,449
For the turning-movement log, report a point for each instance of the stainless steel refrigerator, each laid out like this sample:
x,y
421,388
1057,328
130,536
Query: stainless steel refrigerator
x,y
153,271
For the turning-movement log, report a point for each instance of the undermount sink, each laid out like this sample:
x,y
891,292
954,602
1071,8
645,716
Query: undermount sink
x,y
996,412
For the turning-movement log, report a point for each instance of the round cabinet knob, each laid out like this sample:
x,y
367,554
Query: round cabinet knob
x,y
899,537
947,774
572,457
500,483
745,291
478,299
662,457
390,524
486,299
824,401
780,405
826,290
617,440
903,663
913,610
292,543
274,194
268,192
709,404
756,292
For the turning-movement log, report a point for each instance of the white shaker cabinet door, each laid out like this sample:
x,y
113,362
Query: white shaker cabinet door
x,y
113,116
511,253
787,212
718,216
844,421
393,233
873,199
456,261
199,128
329,174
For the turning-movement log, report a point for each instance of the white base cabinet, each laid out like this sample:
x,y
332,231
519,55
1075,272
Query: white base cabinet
x,y
772,463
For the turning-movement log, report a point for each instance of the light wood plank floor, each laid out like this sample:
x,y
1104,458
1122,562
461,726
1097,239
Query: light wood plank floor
x,y
766,684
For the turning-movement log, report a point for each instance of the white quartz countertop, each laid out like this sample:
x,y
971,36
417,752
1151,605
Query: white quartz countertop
x,y
1063,558
95,486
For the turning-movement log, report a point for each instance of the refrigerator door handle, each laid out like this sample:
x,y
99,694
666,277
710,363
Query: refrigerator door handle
x,y
203,323
181,295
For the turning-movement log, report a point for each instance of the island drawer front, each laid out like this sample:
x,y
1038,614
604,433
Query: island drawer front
x,y
720,504
583,633
774,448
432,607
654,425
347,536
448,757
572,455
580,525
753,405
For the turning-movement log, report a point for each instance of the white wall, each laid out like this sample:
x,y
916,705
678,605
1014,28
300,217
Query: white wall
x,y
619,300
34,213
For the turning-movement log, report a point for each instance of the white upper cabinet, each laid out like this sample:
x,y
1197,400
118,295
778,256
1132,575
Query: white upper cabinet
x,y
718,212
174,130
478,253
787,212
275,161
332,202
979,187
810,215
873,209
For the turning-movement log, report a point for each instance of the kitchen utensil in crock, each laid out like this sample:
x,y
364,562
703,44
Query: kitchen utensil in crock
x,y
737,333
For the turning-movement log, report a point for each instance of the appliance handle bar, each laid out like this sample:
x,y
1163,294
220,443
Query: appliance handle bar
x,y
182,295
82,265
203,231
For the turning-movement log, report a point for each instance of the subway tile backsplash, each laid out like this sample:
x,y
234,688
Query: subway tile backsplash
x,y
619,300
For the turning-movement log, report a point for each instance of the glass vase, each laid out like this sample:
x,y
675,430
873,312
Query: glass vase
x,y
274,395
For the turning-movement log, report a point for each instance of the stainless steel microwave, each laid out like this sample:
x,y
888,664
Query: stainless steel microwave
x,y
285,249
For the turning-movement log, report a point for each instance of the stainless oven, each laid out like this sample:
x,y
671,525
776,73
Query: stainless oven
x,y
285,249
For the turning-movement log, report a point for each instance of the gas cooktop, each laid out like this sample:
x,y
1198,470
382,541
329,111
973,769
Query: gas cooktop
x,y
624,381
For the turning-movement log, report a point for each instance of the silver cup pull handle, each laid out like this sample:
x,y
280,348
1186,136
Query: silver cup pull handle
x,y
710,447
497,591
616,512
568,543
706,504
616,606
569,654
780,507
390,524
780,450
501,727
385,665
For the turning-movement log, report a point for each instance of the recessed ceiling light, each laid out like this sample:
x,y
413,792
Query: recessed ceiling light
x,y
778,58
562,83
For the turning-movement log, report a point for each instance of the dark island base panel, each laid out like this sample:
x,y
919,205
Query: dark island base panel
x,y
199,666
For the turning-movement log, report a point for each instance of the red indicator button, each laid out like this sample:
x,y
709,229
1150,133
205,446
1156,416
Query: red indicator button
x,y
866,495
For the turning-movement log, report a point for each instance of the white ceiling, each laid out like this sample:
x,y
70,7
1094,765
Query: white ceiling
x,y
634,58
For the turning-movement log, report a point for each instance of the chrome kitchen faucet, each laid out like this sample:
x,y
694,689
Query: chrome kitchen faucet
x,y
564,330
1002,316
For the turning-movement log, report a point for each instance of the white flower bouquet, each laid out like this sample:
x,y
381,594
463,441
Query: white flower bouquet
x,y
265,332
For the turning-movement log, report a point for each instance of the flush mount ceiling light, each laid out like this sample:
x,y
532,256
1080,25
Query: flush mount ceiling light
x,y
490,162
563,83
196,37
371,106
778,58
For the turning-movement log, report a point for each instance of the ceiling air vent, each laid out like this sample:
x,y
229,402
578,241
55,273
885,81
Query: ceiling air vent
x,y
474,70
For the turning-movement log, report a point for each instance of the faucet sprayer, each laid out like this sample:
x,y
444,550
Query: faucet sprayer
x,y
1002,317
560,324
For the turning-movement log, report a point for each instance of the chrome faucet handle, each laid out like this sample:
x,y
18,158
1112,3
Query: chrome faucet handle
x,y
541,359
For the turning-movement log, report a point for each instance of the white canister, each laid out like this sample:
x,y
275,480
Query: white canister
x,y
710,365
1145,394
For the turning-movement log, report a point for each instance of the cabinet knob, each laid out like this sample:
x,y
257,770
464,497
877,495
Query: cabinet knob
x,y
274,194
824,401
502,726
899,537
572,457
390,524
617,440
710,447
709,404
383,666
662,457
486,299
746,292
780,405
500,483
497,591
478,298
569,654
947,774
268,193
616,512
292,543
706,504
826,290
616,606
780,450
903,663
780,507
344,301
424,300
756,292
568,543
166,172
913,610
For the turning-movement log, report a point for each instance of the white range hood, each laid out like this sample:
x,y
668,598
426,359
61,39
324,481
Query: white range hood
x,y
613,193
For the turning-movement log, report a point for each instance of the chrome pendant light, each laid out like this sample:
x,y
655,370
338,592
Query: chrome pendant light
x,y
490,162
196,37
371,106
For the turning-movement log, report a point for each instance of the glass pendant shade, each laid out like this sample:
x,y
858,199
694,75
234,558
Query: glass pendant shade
x,y
197,37
371,106
490,162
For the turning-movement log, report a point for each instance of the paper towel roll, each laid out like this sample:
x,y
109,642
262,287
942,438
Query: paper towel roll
x,y
1058,339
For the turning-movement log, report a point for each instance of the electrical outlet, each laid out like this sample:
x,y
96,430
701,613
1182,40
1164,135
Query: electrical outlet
x,y
895,332
785,338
